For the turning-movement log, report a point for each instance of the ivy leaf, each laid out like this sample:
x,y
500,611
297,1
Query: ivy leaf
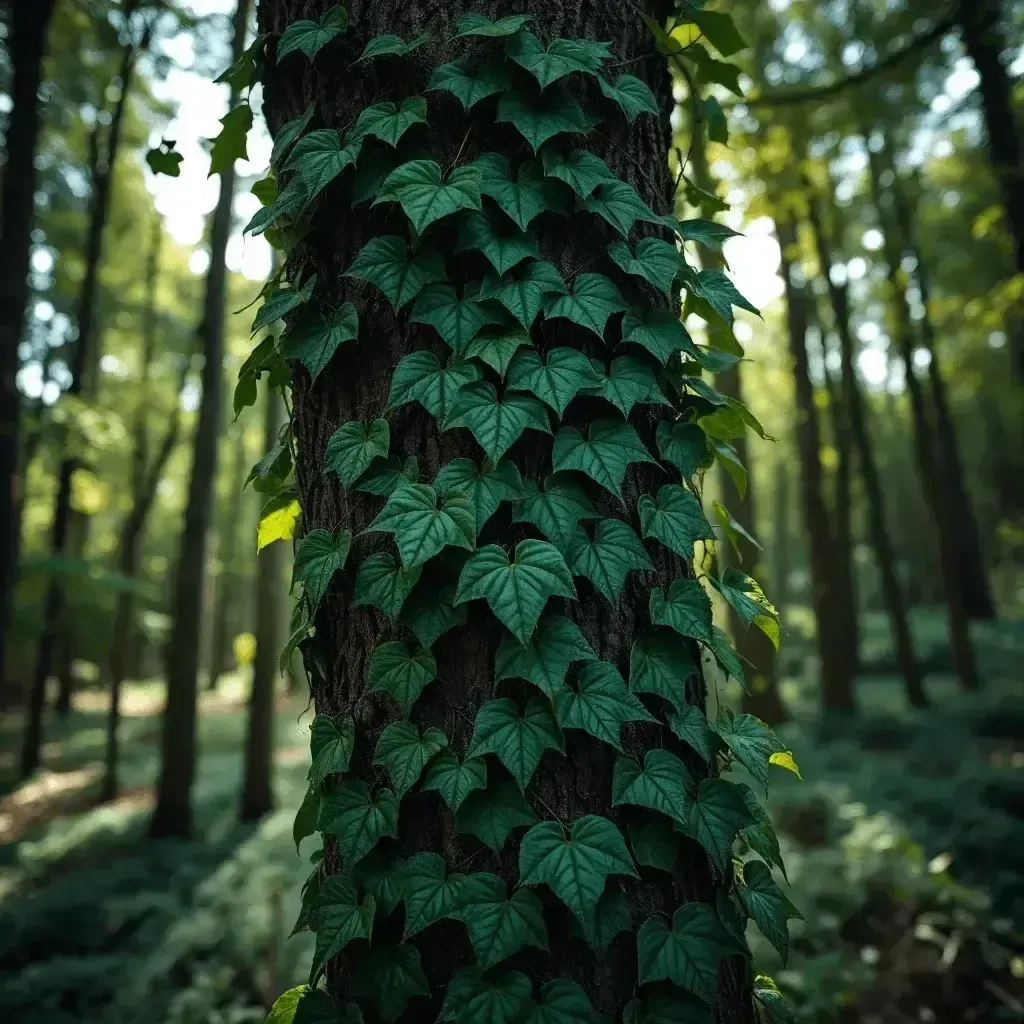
x,y
341,918
481,25
684,607
716,814
726,656
688,953
384,584
580,169
493,814
617,203
555,645
431,612
497,346
331,743
524,197
230,143
357,818
612,916
420,377
516,591
629,382
291,201
496,423
304,1005
424,522
715,119
632,95
555,507
164,159
604,455
730,460
388,121
278,519
760,836
320,157
315,338
685,446
653,259
601,704
403,753
319,556
387,977
388,45
309,37
280,303
660,332
562,56
609,558
664,785
708,233
689,724
562,1002
767,993
575,868
655,844
304,824
675,519
473,999
660,663
429,892
381,877
747,599
456,320
396,670
766,903
424,197
485,486
454,781
556,380
500,926
289,133
353,446
386,263
493,234
467,84
721,294
593,301
750,740
674,1007
518,741
720,30
539,118
523,289
711,71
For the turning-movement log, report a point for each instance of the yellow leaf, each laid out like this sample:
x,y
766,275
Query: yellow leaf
x,y
685,35
278,524
784,759
770,627
244,648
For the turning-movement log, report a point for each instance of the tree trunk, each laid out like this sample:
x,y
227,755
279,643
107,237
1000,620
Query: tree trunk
x,y
837,672
27,27
783,540
173,813
355,387
257,779
962,647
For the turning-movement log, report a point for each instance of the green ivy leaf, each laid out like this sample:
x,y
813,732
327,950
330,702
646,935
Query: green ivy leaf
x,y
291,201
303,1005
556,380
420,377
688,953
493,234
523,289
673,1007
708,233
659,332
675,519
402,673
289,133
750,740
660,663
481,25
386,263
280,303
452,780
306,816
317,336
242,72
711,71
431,612
340,917
716,814
609,558
562,56
468,84
580,169
485,486
612,917
767,993
331,743
629,382
425,196
524,197
593,301
403,752
382,583
518,741
388,45
685,446
653,259
766,903
389,121
655,844
600,705
689,724
604,455
721,294
539,118
617,203
555,645
319,556
357,818
456,320
632,95
424,522
562,1002
429,892
497,346
230,143
730,461
684,607
500,926
720,30
500,999
664,785
380,876
320,157
164,159
555,507
496,423
493,814
575,867
748,600
309,37
726,656
387,977
353,446
714,118
516,591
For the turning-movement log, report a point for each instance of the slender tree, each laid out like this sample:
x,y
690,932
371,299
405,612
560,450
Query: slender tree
x,y
783,540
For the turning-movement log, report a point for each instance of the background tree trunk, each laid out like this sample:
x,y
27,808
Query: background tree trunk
x,y
783,540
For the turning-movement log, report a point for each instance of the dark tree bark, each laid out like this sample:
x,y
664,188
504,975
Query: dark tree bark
x,y
257,775
355,387
27,27
783,540
837,672
173,813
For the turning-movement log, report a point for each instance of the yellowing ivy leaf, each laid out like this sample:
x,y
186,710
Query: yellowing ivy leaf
x,y
278,520
784,759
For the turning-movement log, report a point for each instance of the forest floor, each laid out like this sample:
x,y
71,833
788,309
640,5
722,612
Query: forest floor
x,y
904,846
